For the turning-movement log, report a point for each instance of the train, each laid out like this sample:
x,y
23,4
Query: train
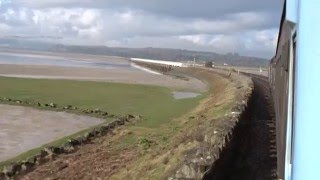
x,y
280,78
293,79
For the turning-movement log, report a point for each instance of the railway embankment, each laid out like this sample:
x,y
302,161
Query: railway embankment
x,y
219,134
185,147
250,151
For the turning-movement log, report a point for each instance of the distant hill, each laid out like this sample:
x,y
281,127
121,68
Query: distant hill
x,y
232,59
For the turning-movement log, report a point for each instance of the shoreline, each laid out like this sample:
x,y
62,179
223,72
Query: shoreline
x,y
101,75
54,125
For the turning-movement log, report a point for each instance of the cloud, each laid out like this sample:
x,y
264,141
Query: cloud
x,y
254,43
176,8
245,26
4,28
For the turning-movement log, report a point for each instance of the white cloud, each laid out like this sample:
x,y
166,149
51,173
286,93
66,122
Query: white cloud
x,y
4,28
241,28
4,2
68,22
256,43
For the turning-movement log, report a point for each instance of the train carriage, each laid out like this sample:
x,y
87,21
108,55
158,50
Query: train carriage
x,y
294,81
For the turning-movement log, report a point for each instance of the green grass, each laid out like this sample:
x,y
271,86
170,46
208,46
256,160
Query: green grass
x,y
154,103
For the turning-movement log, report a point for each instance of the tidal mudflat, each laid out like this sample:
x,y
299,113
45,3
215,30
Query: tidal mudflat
x,y
25,128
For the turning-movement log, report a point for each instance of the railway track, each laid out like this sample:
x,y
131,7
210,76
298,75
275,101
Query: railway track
x,y
252,154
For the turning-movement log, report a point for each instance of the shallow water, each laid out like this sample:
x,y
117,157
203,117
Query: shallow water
x,y
26,59
25,128
184,95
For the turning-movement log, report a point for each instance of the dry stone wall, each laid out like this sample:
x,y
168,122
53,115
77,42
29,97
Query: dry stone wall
x,y
200,160
48,153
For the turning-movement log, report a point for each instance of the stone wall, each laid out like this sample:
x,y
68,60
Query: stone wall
x,y
48,153
198,161
56,107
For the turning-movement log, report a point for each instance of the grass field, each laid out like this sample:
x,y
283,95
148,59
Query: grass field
x,y
154,103
153,147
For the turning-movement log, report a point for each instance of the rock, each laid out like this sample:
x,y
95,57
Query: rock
x,y
104,113
18,101
88,111
38,159
68,148
119,122
200,152
99,131
48,150
186,172
105,128
27,102
53,151
82,139
130,116
46,105
74,142
7,99
112,125
43,153
88,135
2,175
52,105
12,169
66,107
138,117
97,111
94,132
26,166
32,160
57,150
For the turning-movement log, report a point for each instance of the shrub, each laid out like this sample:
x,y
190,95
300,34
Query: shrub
x,y
146,143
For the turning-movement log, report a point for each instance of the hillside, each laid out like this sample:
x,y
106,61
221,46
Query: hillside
x,y
149,53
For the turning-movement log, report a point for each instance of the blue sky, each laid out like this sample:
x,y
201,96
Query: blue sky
x,y
248,27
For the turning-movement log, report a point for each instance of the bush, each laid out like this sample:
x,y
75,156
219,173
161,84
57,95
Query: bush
x,y
146,143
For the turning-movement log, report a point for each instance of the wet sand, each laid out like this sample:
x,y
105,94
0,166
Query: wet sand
x,y
96,74
25,128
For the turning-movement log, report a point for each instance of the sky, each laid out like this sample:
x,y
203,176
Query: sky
x,y
247,27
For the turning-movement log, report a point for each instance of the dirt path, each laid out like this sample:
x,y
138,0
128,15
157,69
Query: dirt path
x,y
25,128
